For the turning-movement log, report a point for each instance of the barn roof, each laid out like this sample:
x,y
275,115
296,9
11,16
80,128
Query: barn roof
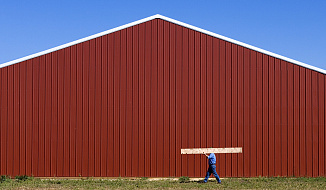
x,y
158,16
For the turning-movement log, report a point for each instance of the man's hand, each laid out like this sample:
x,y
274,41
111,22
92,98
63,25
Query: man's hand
x,y
205,154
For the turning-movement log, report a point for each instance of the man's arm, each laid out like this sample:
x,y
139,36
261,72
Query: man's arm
x,y
206,154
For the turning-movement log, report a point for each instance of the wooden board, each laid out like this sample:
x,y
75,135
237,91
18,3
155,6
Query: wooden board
x,y
211,150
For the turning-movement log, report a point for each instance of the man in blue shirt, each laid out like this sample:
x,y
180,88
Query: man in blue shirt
x,y
212,168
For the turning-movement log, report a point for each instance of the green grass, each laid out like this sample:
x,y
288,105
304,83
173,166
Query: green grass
x,y
145,183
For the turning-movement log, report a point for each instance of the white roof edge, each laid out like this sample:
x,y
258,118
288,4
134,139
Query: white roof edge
x,y
243,44
172,21
79,41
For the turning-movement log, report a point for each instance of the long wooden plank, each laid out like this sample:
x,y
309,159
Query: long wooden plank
x,y
211,150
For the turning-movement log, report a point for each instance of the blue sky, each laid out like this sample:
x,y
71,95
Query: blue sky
x,y
292,28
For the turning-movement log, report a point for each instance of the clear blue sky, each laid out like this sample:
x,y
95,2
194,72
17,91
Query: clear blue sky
x,y
292,28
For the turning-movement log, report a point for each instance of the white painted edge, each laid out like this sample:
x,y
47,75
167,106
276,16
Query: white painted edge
x,y
243,44
79,41
158,16
211,150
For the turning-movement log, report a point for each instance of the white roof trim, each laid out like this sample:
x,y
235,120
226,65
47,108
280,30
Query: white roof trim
x,y
158,16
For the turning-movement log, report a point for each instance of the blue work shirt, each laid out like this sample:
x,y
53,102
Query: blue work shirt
x,y
211,159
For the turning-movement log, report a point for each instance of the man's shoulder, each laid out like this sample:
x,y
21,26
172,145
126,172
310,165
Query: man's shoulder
x,y
212,155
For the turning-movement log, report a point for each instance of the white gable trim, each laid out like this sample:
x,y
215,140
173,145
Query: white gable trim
x,y
172,21
78,41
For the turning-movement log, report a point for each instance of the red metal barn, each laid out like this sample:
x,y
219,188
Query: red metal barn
x,y
125,101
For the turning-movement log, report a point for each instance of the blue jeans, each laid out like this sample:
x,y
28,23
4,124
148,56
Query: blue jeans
x,y
212,169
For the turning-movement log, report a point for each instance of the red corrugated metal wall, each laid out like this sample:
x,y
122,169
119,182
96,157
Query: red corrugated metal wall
x,y
124,104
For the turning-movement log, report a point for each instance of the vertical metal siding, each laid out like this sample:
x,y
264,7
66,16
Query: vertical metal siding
x,y
197,90
124,104
259,112
147,36
240,113
288,73
234,109
246,117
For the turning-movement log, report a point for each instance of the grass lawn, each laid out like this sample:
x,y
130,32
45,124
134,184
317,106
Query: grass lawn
x,y
181,183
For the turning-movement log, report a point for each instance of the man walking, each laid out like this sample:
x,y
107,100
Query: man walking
x,y
212,168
